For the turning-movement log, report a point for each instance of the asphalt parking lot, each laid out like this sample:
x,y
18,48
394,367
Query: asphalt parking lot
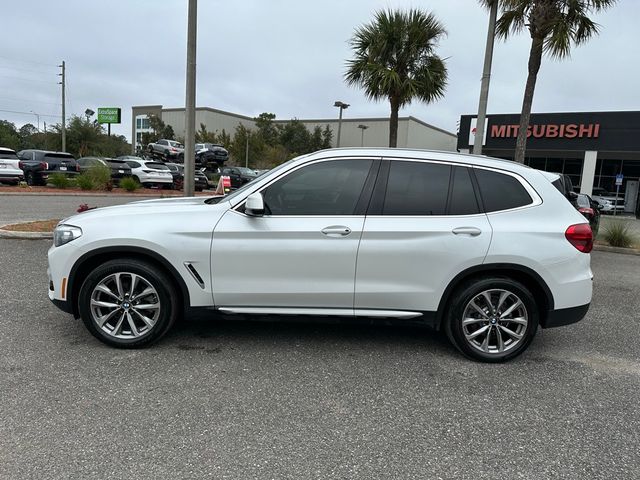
x,y
224,399
25,208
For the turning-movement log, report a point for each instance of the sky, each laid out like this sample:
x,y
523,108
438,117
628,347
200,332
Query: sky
x,y
283,56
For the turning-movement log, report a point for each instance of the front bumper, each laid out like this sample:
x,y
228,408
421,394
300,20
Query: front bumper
x,y
565,316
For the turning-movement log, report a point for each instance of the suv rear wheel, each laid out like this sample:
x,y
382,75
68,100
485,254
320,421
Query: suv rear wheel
x,y
492,319
128,303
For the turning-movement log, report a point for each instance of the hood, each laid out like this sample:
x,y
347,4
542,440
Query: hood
x,y
161,208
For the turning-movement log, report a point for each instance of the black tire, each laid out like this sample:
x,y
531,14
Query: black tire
x,y
29,178
496,326
165,297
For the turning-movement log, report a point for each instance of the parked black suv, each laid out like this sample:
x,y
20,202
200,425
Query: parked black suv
x,y
177,172
239,175
37,165
211,155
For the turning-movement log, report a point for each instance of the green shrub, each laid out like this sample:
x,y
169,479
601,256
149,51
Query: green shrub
x,y
618,235
85,182
100,175
130,184
58,180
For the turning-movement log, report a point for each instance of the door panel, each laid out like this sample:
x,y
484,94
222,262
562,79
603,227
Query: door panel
x,y
302,252
406,262
285,261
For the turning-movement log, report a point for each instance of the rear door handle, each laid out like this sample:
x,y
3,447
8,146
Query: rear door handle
x,y
471,231
336,231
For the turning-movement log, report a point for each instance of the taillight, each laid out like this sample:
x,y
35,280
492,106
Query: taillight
x,y
586,211
580,236
44,165
77,167
21,165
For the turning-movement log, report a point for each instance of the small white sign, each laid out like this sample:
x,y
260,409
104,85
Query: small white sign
x,y
472,131
619,178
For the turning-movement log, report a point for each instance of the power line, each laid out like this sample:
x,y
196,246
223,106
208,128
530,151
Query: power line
x,y
28,100
30,113
20,69
28,61
25,79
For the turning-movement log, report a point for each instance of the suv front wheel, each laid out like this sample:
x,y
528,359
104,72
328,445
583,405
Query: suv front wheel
x,y
492,319
128,303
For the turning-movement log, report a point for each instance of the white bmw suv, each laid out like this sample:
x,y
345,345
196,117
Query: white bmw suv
x,y
486,250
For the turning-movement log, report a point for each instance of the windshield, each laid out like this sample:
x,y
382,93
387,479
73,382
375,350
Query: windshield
x,y
10,155
175,144
246,171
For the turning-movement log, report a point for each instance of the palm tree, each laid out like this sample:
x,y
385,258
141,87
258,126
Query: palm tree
x,y
394,59
554,26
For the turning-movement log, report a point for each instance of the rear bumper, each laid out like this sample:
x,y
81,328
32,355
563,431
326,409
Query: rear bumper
x,y
565,316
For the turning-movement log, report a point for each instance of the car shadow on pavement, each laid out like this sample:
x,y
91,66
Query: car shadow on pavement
x,y
195,330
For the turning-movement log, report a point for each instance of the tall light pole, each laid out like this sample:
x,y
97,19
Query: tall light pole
x,y
38,119
486,76
190,107
342,106
363,128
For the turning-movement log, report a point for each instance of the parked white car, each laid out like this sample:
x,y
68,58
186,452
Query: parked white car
x,y
10,171
484,249
149,173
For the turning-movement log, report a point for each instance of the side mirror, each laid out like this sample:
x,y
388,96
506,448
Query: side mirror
x,y
254,205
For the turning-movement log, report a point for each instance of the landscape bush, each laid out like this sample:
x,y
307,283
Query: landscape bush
x,y
100,176
84,182
618,235
58,180
130,184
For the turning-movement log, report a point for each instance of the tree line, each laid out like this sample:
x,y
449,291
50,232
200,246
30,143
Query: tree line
x,y
83,136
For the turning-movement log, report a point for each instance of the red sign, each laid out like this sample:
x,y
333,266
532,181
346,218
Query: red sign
x,y
550,130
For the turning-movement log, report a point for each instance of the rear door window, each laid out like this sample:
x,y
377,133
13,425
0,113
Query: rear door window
x,y
417,188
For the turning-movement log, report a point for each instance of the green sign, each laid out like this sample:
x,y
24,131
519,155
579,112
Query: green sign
x,y
109,115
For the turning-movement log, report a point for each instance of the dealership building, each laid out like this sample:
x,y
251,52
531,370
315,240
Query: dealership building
x,y
592,148
355,132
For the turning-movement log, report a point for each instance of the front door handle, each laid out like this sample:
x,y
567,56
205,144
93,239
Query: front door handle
x,y
336,231
472,231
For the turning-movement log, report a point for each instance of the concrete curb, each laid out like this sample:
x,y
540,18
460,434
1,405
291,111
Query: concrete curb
x,y
626,251
25,235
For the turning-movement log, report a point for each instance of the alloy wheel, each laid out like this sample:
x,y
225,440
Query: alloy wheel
x,y
125,305
494,321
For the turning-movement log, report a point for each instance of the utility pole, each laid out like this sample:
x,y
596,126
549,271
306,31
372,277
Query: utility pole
x,y
64,128
190,107
246,155
486,76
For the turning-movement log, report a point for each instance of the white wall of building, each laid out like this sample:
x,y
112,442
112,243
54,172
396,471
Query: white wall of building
x,y
215,120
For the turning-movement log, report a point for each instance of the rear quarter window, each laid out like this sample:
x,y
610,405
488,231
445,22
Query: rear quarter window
x,y
500,191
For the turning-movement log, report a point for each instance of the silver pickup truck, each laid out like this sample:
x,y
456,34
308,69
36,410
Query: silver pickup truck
x,y
167,149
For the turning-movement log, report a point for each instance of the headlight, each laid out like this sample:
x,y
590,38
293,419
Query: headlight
x,y
65,233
